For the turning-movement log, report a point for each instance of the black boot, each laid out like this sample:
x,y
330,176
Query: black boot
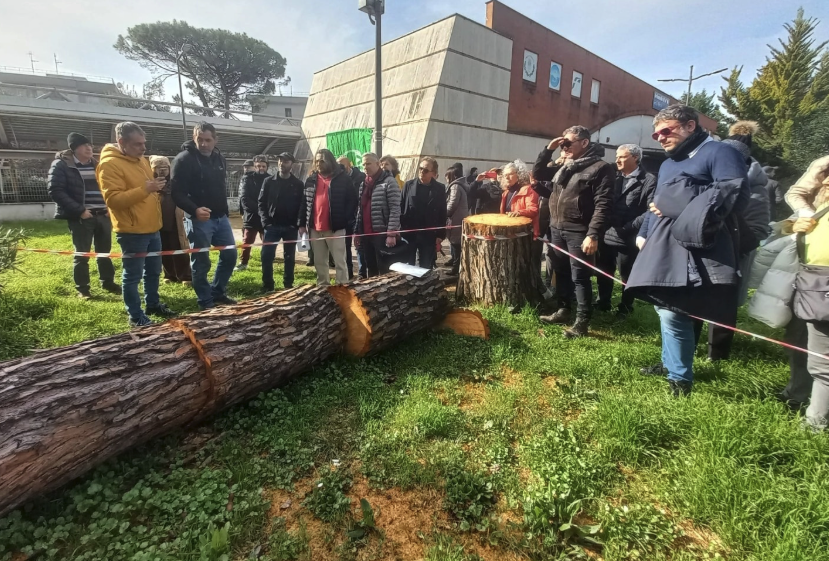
x,y
579,328
562,316
602,306
680,388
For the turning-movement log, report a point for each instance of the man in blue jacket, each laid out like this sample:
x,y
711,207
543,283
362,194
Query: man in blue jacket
x,y
690,244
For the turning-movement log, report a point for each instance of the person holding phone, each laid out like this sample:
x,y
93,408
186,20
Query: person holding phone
x,y
131,195
173,237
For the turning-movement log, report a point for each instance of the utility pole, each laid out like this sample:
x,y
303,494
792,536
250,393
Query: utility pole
x,y
375,10
184,50
33,61
56,63
691,78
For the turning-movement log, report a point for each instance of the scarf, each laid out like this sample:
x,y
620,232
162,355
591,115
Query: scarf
x,y
688,145
593,154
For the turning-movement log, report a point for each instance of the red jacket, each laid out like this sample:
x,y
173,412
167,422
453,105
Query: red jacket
x,y
525,203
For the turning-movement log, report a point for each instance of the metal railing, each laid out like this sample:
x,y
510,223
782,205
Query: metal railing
x,y
26,181
30,72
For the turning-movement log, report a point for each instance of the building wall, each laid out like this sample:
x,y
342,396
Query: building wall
x,y
537,109
45,85
274,106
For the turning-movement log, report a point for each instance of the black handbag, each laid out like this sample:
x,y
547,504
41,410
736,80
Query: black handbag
x,y
811,296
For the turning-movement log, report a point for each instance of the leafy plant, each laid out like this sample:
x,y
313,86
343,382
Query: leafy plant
x,y
215,545
469,498
636,531
10,240
284,545
328,500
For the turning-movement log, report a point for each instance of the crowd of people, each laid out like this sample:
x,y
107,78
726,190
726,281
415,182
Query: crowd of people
x,y
686,240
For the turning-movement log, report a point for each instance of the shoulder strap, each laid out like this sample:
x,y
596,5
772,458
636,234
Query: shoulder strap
x,y
801,238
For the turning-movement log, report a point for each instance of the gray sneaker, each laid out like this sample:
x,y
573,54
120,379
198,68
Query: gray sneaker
x,y
241,267
142,321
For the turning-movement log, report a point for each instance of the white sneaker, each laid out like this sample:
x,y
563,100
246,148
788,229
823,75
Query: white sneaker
x,y
241,267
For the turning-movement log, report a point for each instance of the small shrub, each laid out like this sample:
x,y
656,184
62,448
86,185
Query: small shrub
x,y
328,500
636,531
469,498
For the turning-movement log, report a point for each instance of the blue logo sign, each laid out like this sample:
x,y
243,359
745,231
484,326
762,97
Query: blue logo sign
x,y
555,76
660,101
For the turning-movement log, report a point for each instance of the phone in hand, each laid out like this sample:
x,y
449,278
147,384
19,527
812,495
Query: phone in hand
x,y
491,175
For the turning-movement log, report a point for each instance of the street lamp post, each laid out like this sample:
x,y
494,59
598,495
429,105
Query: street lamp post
x,y
184,50
375,10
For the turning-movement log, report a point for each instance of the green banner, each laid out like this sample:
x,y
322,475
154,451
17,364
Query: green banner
x,y
351,143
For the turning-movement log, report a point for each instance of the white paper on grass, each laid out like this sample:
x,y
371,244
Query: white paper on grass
x,y
407,269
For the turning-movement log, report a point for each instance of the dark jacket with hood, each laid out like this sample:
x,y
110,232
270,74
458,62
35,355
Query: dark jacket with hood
x,y
281,201
631,199
342,201
485,197
695,243
249,189
199,181
580,196
66,186
424,208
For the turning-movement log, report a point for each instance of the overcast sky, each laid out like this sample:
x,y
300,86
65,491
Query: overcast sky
x,y
652,39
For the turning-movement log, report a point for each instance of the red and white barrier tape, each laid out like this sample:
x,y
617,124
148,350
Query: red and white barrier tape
x,y
734,329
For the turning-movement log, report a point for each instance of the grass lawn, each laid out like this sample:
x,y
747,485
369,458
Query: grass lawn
x,y
526,446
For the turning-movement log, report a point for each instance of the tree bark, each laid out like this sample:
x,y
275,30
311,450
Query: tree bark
x,y
498,261
63,411
383,310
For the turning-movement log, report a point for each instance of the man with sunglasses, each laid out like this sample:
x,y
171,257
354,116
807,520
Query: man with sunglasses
x,y
423,207
579,188
689,259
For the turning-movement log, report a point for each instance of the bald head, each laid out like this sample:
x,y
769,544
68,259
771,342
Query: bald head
x,y
345,162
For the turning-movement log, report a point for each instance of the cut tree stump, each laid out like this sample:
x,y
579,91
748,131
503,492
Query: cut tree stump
x,y
497,264
385,309
66,410
468,323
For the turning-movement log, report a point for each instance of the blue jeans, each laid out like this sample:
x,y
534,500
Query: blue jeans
x,y
678,344
134,268
207,233
276,234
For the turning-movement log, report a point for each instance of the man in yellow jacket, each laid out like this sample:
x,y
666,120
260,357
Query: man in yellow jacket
x,y
131,196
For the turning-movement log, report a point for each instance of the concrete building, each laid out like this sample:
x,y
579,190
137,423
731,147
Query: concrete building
x,y
58,87
482,95
278,107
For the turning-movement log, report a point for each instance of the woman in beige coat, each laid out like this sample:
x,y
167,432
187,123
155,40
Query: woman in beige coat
x,y
173,237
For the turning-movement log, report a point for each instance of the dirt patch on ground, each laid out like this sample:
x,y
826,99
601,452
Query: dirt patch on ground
x,y
511,378
472,397
699,539
406,521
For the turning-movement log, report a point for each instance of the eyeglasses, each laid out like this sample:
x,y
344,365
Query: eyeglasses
x,y
424,170
565,144
665,132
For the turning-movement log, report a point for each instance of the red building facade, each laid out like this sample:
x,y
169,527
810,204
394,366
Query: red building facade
x,y
555,83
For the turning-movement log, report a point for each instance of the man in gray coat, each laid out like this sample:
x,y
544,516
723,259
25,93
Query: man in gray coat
x,y
457,208
378,218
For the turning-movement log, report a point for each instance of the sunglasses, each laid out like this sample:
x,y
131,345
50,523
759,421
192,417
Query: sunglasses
x,y
424,170
665,132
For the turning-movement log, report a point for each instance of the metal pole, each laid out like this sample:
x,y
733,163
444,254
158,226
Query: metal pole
x,y
690,82
181,98
378,87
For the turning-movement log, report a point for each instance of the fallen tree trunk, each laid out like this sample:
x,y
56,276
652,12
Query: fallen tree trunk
x,y
66,410
499,262
382,310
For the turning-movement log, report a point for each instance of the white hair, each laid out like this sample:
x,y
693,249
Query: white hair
x,y
633,150
518,167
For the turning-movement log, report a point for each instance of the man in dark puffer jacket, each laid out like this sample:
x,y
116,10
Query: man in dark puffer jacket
x,y
632,194
78,200
329,206
249,189
378,212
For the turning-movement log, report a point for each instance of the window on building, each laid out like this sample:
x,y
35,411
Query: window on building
x,y
575,89
594,91
288,112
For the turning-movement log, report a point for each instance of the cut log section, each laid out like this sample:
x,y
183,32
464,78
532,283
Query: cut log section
x,y
468,323
499,264
382,310
66,410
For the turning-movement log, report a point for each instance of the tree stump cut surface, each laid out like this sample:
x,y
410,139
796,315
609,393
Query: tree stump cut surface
x,y
383,310
497,265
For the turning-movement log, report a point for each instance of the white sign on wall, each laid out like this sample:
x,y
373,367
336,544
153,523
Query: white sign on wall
x,y
555,76
530,66
576,88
